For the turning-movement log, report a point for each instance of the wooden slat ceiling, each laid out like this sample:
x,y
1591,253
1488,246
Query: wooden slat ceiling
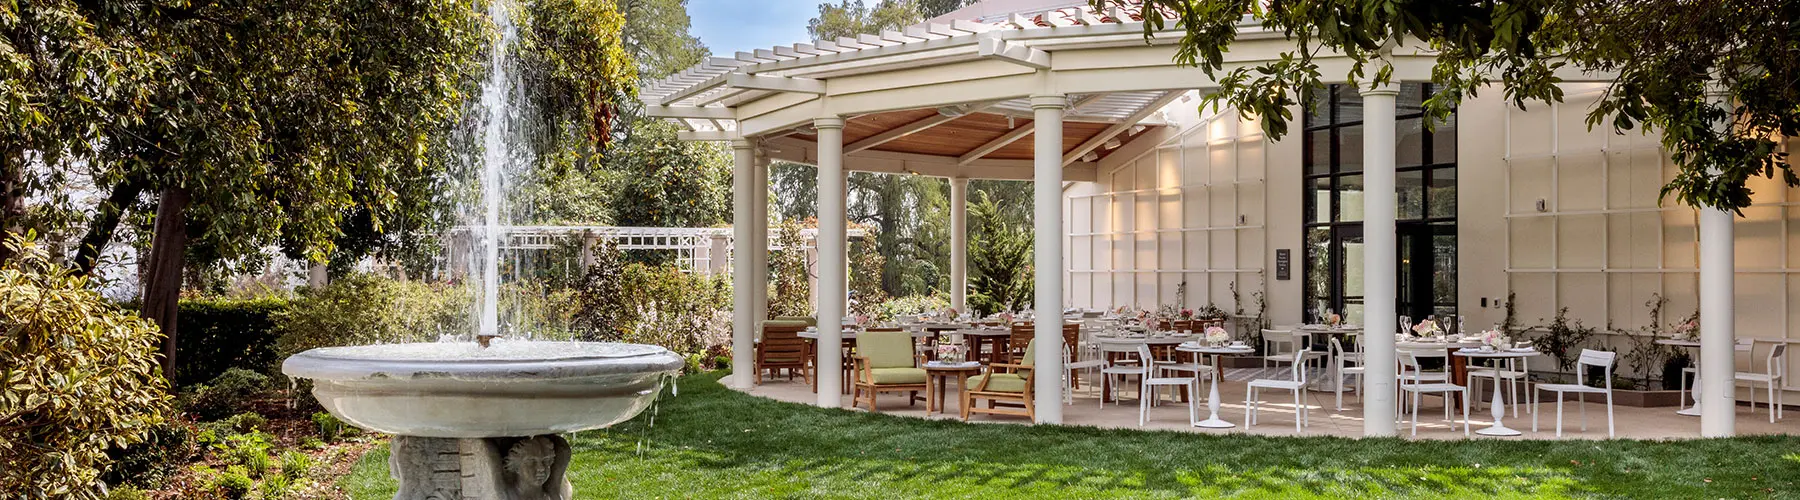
x,y
962,135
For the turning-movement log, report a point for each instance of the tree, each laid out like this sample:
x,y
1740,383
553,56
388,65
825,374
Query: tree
x,y
790,285
268,122
656,35
63,76
663,182
1667,55
849,18
1000,259
794,191
934,8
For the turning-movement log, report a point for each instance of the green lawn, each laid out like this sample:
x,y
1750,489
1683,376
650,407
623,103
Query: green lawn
x,y
712,442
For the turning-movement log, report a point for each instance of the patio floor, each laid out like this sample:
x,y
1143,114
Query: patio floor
x,y
1275,416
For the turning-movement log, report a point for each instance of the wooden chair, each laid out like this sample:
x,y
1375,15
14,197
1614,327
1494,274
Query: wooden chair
x,y
886,362
1003,383
783,349
1022,334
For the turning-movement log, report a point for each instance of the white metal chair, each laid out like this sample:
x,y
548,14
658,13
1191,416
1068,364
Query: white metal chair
x,y
1297,384
1589,357
1420,384
1421,375
1119,369
1149,382
1513,370
1772,378
1348,364
1070,366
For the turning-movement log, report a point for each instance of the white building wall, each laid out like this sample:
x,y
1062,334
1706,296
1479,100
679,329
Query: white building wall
x,y
1192,210
1602,246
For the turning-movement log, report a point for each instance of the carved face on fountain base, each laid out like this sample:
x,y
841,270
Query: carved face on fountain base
x,y
533,468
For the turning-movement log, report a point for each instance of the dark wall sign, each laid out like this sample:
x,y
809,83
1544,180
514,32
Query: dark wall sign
x,y
1283,262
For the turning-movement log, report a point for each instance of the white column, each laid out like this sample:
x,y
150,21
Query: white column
x,y
759,231
1047,175
959,244
743,324
832,260
1718,313
1379,247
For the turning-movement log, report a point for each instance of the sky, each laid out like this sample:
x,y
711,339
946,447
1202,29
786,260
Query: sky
x,y
730,26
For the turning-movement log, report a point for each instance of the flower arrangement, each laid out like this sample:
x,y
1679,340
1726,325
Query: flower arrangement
x,y
1334,320
862,320
1187,314
950,353
1493,340
1006,318
1216,336
1427,328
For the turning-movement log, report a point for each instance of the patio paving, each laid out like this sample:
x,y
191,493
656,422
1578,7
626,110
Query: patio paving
x,y
1275,416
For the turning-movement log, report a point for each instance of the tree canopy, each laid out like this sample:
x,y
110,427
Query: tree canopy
x,y
1667,55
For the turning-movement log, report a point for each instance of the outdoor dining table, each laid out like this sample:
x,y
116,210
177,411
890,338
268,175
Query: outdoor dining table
x,y
1156,343
1212,399
996,339
1313,333
939,375
1457,365
1499,403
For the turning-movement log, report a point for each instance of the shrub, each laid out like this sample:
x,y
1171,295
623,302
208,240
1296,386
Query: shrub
x,y
127,493
364,309
295,465
250,451
912,305
228,394
277,487
218,334
651,304
234,483
149,463
330,428
80,375
247,422
312,443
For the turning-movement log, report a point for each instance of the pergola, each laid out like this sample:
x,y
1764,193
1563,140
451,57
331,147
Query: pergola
x,y
958,100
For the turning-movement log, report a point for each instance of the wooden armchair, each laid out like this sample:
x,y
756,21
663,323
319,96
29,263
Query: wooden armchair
x,y
1003,383
886,362
783,349
1022,334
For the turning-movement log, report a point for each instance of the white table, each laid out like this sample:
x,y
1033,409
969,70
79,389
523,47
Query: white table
x,y
1692,411
1212,399
1499,403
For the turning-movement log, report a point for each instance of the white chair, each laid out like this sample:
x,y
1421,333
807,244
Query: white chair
x,y
1277,345
1421,375
1119,369
1420,384
1348,364
1070,366
1295,384
1773,375
1149,382
1589,357
1513,370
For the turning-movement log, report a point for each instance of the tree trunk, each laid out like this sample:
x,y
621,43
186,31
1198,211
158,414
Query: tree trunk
x,y
106,223
162,281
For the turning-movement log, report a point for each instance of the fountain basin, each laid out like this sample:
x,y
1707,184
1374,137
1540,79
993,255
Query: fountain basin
x,y
460,390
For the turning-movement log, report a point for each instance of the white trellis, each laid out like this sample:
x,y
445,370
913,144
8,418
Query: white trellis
x,y
707,250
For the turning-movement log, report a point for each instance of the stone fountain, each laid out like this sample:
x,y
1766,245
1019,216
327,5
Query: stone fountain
x,y
484,422
482,418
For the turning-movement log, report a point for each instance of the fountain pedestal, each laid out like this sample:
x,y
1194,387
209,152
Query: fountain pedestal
x,y
533,468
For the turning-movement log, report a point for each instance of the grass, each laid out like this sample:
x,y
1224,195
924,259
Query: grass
x,y
712,442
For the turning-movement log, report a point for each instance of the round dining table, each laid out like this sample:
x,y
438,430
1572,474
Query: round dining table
x,y
1499,403
1212,399
1158,344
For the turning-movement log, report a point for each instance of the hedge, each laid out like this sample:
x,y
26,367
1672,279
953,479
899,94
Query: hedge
x,y
218,334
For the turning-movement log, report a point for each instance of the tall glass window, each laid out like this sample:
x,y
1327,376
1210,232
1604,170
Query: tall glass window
x,y
1425,186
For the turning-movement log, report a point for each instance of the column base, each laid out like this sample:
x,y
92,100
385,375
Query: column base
x,y
504,468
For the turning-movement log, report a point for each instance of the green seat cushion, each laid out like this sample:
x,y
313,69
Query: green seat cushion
x,y
1003,382
808,320
886,349
785,323
889,376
